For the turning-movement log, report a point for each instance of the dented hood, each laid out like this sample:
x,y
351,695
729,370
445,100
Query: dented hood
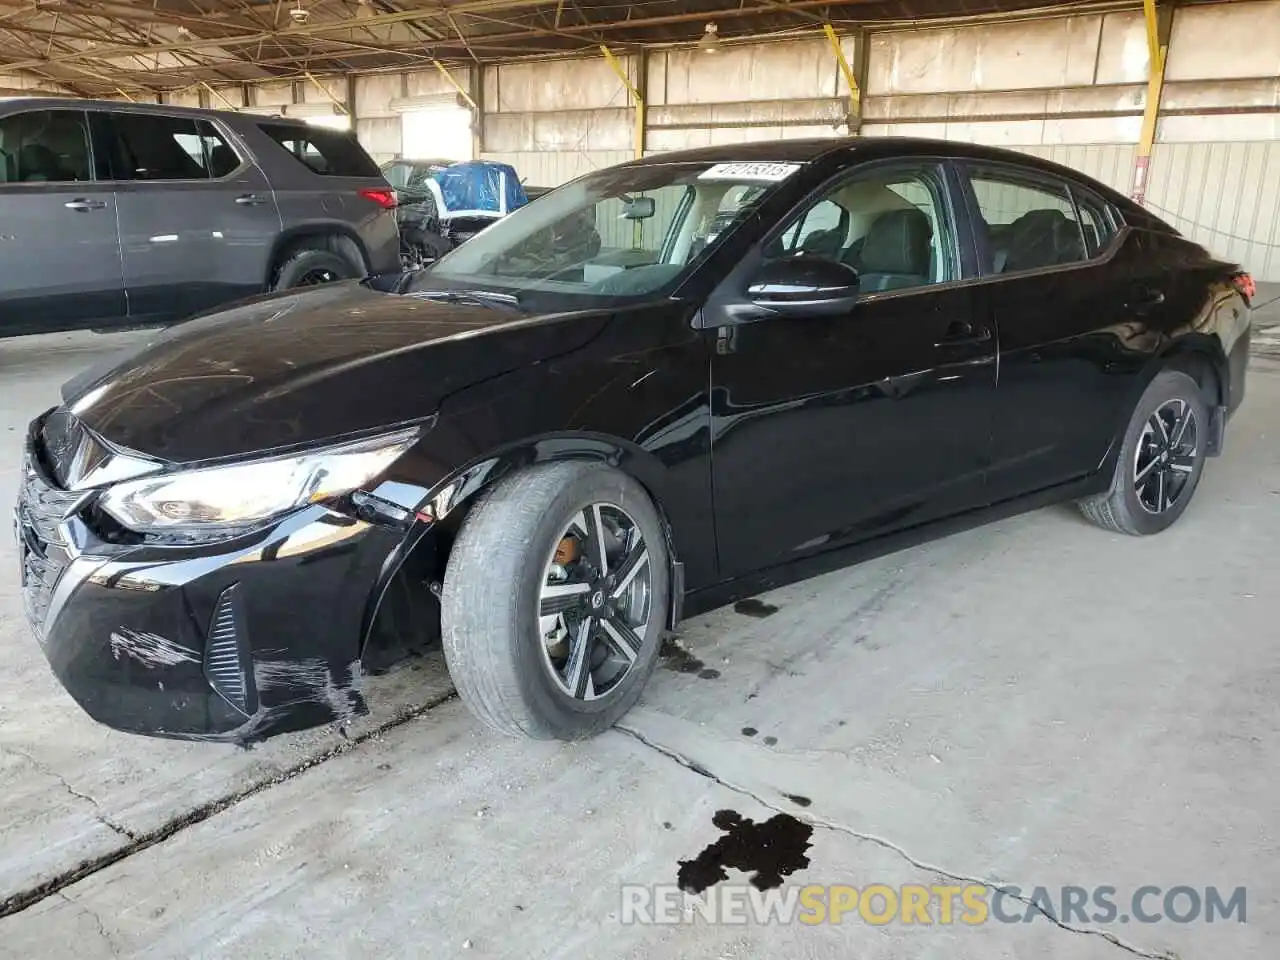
x,y
307,367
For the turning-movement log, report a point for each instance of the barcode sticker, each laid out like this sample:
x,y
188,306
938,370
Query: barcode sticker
x,y
769,172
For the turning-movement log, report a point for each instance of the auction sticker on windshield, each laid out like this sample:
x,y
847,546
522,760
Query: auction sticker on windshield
x,y
772,172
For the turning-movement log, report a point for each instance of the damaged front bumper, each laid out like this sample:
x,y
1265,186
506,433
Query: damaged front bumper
x,y
231,641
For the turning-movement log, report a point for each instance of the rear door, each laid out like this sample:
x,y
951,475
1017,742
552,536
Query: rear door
x,y
59,248
323,178
829,430
197,217
1063,296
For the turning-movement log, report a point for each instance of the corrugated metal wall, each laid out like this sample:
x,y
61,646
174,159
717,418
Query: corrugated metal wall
x,y
1223,195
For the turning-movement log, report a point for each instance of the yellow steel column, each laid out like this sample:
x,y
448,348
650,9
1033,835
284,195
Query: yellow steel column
x,y
855,94
1157,52
636,97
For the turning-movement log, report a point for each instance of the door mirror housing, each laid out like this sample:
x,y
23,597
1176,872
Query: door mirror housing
x,y
805,286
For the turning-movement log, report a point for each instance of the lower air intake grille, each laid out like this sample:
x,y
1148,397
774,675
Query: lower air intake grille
x,y
226,655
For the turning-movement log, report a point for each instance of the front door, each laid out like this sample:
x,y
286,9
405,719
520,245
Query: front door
x,y
197,218
59,249
828,430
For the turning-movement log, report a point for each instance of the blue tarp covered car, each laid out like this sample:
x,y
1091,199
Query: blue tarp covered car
x,y
443,204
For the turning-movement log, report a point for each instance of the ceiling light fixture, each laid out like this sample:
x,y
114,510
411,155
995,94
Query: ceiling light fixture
x,y
710,42
299,14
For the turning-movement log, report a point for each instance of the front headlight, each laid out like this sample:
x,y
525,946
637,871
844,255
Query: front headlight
x,y
229,498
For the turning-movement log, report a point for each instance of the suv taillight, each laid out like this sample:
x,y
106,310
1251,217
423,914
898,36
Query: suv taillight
x,y
387,199
1244,283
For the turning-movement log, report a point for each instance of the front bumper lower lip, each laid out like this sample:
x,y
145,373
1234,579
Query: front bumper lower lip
x,y
231,642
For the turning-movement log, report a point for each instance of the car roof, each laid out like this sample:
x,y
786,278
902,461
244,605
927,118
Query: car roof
x,y
872,148
12,104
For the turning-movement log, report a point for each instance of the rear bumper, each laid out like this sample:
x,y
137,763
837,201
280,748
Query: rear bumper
x,y
231,642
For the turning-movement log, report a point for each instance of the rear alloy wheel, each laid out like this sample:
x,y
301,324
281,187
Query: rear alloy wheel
x,y
1160,462
555,599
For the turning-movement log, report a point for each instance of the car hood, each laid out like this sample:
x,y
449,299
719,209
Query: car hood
x,y
303,368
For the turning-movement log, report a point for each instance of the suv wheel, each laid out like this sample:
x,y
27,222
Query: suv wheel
x,y
309,268
555,599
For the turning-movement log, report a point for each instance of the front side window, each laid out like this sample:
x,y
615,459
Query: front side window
x,y
152,147
890,224
330,153
611,236
1026,224
45,146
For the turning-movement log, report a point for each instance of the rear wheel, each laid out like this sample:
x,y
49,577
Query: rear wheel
x,y
555,599
311,268
1160,462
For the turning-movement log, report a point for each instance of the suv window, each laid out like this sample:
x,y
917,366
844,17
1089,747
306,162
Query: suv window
x,y
45,146
210,149
1028,223
890,224
150,147
330,153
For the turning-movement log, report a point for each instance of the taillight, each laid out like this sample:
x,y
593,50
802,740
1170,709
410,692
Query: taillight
x,y
1244,283
386,199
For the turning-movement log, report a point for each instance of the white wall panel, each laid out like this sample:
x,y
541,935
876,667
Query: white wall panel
x,y
547,169
1058,52
1223,40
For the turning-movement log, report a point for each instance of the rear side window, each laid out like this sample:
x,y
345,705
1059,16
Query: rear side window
x,y
1095,222
330,153
45,146
152,147
1027,224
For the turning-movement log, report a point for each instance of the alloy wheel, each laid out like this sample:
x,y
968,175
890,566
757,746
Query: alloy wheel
x,y
1166,454
595,602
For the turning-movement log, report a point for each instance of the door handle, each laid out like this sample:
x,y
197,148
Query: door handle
x,y
963,334
251,200
81,205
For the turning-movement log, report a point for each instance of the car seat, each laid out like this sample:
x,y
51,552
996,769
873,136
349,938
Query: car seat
x,y
1042,238
896,251
38,164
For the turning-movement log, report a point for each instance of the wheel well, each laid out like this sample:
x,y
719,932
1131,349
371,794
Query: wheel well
x,y
332,239
1204,371
407,618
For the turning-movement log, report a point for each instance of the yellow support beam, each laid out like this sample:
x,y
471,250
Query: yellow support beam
x,y
636,98
855,93
1157,53
453,82
213,92
342,107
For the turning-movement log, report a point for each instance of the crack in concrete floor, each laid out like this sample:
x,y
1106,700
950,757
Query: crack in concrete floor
x,y
809,817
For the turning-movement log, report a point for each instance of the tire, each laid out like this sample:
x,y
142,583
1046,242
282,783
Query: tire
x,y
308,267
493,632
429,246
1128,506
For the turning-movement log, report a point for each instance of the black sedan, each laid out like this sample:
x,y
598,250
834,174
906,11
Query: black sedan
x,y
661,386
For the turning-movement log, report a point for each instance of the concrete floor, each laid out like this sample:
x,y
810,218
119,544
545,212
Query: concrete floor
x,y
1035,702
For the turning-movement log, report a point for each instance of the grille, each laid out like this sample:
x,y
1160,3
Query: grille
x,y
225,655
41,543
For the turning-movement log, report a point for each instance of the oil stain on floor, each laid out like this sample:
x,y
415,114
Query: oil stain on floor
x,y
769,851
677,658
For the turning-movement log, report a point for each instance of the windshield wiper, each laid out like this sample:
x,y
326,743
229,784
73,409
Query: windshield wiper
x,y
480,298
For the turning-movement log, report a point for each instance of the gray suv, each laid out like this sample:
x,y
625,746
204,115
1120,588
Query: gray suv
x,y
116,215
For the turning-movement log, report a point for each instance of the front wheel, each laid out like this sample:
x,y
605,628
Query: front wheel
x,y
555,599
1160,461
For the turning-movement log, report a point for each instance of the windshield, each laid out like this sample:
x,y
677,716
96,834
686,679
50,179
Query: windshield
x,y
620,234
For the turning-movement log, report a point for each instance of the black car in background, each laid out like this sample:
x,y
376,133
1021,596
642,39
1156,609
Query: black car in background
x,y
649,392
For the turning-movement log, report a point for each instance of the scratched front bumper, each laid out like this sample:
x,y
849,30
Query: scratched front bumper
x,y
128,635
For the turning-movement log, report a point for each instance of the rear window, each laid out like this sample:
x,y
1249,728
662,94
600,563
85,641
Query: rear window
x,y
330,153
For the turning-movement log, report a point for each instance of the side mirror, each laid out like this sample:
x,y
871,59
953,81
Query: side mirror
x,y
805,286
